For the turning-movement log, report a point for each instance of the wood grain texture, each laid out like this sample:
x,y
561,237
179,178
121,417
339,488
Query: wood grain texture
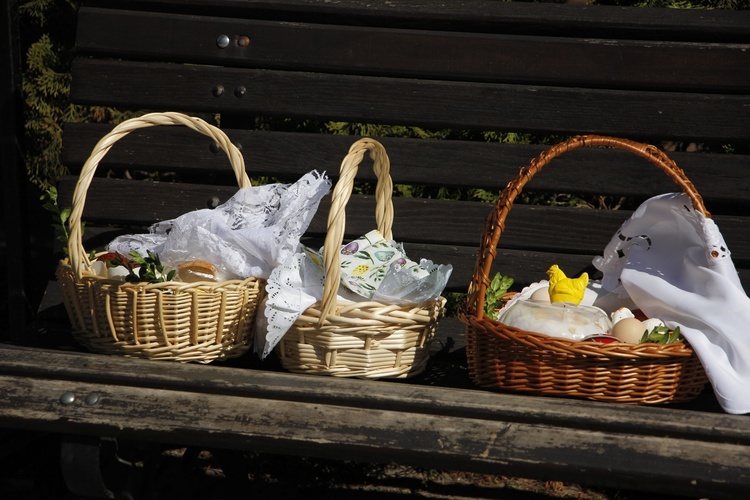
x,y
321,416
426,103
720,178
455,55
480,15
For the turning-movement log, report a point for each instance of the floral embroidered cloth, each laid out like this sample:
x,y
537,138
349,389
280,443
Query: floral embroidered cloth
x,y
372,269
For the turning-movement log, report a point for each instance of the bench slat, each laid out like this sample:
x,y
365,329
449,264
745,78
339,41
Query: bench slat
x,y
558,61
540,236
438,428
481,15
459,223
720,178
436,104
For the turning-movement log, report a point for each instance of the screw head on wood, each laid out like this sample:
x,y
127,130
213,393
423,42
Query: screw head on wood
x,y
222,41
67,398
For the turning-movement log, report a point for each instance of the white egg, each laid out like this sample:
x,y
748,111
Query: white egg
x,y
540,295
629,330
621,313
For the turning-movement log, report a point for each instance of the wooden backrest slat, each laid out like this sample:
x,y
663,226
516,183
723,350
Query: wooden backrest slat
x,y
439,221
436,104
476,15
720,178
662,76
559,61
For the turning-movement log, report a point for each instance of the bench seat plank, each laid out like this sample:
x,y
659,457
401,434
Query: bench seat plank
x,y
472,430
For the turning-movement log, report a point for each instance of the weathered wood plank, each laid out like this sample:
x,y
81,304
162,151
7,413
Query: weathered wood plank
x,y
720,178
437,104
560,61
528,227
481,15
439,428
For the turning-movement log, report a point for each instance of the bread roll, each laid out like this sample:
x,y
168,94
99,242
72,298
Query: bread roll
x,y
197,270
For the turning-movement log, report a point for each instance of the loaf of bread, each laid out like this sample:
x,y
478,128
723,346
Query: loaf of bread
x,y
197,270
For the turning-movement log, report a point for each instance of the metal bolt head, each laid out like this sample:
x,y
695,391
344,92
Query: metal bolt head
x,y
67,398
222,41
240,91
92,398
243,41
213,202
218,90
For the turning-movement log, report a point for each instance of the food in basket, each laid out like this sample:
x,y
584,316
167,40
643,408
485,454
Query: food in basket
x,y
561,319
198,270
248,235
629,330
569,308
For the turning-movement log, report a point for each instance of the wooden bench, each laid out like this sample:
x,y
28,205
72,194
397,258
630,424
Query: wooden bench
x,y
467,72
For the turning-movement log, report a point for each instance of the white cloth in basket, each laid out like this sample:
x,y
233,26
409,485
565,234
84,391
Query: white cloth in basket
x,y
249,235
298,283
673,263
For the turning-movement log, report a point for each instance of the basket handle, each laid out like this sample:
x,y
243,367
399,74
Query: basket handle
x,y
496,220
76,252
337,216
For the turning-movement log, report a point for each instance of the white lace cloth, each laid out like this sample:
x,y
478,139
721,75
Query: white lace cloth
x,y
249,235
673,263
298,283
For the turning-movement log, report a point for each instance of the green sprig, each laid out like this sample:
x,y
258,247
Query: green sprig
x,y
499,286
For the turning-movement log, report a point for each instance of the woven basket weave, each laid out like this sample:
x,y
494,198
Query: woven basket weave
x,y
363,339
503,357
178,321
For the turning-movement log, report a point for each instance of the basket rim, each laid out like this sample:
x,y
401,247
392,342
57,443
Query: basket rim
x,y
567,347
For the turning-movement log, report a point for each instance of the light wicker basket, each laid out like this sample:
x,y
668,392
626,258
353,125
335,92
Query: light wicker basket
x,y
173,320
363,339
503,357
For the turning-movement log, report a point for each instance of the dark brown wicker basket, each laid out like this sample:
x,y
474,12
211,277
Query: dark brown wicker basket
x,y
504,357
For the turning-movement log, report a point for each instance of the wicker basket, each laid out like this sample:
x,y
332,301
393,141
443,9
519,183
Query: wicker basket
x,y
363,339
172,320
504,357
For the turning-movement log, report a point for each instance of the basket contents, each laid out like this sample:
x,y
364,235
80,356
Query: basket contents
x,y
672,262
249,235
372,269
363,309
583,311
190,289
667,266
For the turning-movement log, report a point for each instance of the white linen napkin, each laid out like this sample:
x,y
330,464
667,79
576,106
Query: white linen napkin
x,y
674,264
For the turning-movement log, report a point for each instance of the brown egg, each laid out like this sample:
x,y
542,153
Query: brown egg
x,y
629,330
